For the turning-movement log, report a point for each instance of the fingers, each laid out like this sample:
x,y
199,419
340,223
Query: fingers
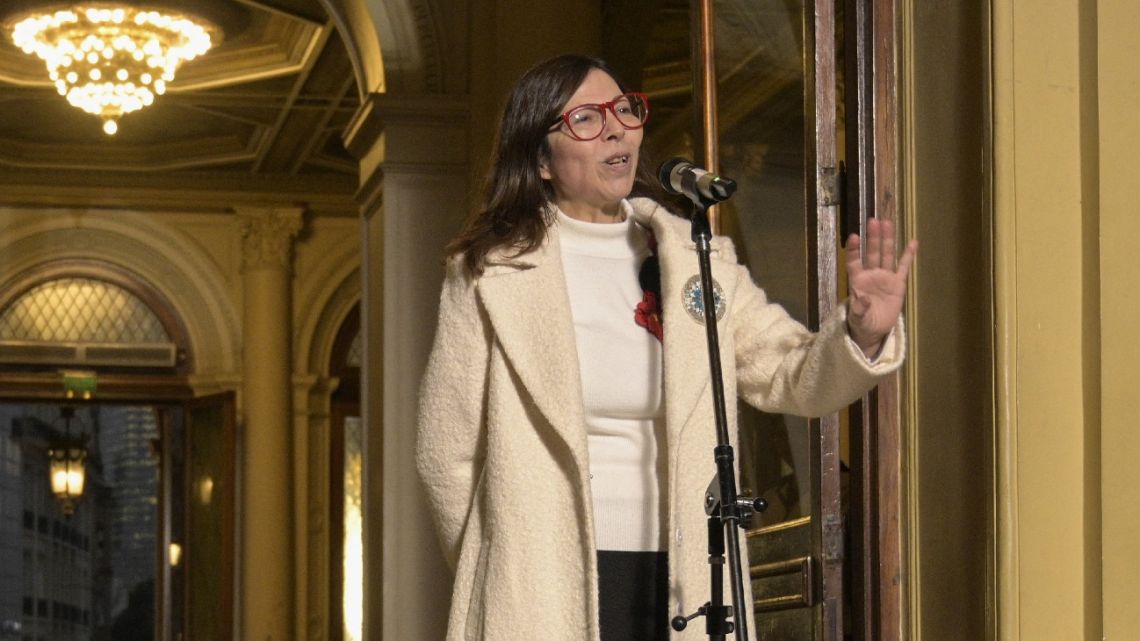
x,y
854,254
880,250
887,245
873,258
907,259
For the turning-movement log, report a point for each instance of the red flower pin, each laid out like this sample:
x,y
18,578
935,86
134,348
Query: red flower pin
x,y
648,315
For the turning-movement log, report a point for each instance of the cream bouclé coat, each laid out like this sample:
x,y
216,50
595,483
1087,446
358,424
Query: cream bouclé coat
x,y
501,445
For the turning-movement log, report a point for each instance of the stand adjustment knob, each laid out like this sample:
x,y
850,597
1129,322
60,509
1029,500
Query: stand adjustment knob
x,y
680,622
751,505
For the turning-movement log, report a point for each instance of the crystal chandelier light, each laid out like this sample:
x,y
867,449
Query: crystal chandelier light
x,y
108,59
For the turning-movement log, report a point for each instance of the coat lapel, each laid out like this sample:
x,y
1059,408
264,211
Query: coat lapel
x,y
529,308
685,344
686,361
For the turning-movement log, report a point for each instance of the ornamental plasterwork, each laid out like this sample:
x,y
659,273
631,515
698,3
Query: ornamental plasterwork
x,y
267,237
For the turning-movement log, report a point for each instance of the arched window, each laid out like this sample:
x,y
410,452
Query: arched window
x,y
88,315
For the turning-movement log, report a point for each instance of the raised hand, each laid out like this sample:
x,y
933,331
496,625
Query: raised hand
x,y
876,282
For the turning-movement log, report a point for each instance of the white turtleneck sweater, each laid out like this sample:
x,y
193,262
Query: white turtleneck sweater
x,y
620,364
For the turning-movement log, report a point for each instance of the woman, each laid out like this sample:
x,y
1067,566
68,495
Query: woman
x,y
566,423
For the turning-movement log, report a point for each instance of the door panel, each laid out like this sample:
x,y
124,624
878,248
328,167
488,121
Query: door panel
x,y
777,123
172,508
783,574
871,124
210,487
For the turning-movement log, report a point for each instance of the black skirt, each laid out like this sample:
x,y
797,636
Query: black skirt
x,y
633,596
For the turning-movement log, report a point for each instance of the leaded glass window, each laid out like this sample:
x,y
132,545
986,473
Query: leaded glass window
x,y
82,310
356,351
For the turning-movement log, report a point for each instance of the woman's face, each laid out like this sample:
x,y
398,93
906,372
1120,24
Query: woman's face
x,y
590,177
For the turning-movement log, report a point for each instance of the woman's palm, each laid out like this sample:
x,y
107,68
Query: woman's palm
x,y
876,281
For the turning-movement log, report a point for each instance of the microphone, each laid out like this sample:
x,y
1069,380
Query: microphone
x,y
679,176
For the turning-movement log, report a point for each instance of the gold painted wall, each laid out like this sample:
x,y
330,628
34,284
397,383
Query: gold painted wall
x,y
1118,80
1065,86
1038,187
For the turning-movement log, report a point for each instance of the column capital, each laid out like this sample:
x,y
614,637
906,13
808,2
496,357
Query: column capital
x,y
267,235
308,386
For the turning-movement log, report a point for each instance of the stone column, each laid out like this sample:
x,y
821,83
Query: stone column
x,y
266,510
416,163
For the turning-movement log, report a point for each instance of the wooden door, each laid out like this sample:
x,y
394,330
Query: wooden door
x,y
210,449
872,185
775,123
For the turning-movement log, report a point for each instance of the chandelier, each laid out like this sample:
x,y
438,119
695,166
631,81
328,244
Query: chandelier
x,y
111,59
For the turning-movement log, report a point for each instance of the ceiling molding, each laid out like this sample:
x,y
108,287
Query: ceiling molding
x,y
282,47
172,156
331,195
267,105
297,10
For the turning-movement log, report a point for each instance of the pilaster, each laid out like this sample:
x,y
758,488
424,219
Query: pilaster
x,y
312,528
414,198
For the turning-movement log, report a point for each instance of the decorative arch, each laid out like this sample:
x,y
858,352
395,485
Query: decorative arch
x,y
144,315
394,45
317,332
171,262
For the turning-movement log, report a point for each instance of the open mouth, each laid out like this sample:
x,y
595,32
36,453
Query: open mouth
x,y
618,160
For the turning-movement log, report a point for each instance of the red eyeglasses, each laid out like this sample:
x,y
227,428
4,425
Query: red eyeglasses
x,y
588,121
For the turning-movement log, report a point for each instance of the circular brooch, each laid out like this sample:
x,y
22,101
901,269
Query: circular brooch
x,y
694,302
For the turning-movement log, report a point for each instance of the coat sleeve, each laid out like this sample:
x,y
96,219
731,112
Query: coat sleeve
x,y
783,367
450,439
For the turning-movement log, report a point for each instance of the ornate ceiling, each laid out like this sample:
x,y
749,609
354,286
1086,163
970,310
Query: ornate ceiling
x,y
258,119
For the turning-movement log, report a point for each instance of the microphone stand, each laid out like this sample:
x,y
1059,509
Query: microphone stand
x,y
725,508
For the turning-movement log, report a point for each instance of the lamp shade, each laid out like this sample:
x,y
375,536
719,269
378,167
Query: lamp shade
x,y
67,465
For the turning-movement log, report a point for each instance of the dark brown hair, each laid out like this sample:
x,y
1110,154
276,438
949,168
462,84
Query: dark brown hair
x,y
513,213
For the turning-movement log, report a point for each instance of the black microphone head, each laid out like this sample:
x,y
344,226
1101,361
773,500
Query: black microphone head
x,y
722,188
665,174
